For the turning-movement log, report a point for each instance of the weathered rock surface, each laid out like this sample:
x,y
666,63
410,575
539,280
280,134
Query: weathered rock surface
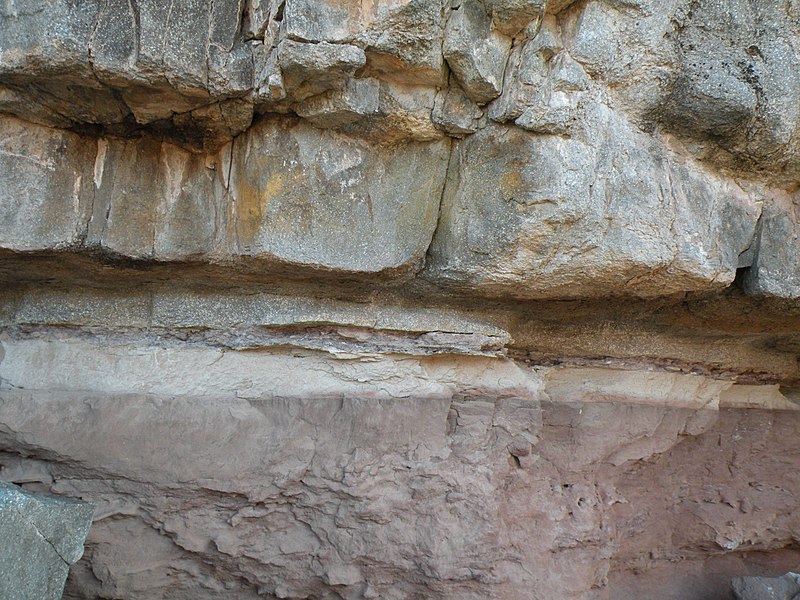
x,y
342,488
328,201
776,265
42,537
285,193
530,215
637,212
420,298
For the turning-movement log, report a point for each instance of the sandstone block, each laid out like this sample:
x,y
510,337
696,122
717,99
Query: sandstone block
x,y
46,192
153,201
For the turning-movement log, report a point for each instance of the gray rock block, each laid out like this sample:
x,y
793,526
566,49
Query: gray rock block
x,y
542,216
775,270
288,193
46,190
311,69
153,201
404,43
309,197
786,587
476,52
510,17
455,113
321,20
42,537
358,99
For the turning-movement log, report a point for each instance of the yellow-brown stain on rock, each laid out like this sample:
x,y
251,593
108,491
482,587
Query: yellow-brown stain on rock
x,y
251,204
512,185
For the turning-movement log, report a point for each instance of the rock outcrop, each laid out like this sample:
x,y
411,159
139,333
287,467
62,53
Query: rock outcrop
x,y
421,298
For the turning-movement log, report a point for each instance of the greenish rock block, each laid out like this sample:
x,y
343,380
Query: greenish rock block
x,y
40,538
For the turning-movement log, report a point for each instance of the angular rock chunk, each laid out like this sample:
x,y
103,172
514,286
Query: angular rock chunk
x,y
786,587
528,74
455,113
380,111
321,20
42,536
539,216
302,196
476,53
358,99
776,265
510,17
558,104
46,192
403,43
310,69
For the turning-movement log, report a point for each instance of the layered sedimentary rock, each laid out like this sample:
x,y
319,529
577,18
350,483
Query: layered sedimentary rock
x,y
465,299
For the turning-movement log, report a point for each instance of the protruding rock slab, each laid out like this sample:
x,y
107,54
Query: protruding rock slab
x,y
606,213
776,266
476,52
786,587
42,536
287,194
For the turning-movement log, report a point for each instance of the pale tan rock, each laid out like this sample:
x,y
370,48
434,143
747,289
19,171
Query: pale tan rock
x,y
332,202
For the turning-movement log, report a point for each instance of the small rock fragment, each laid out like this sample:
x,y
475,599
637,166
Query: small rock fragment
x,y
311,69
476,52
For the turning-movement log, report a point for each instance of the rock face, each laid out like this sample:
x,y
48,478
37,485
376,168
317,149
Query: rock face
x,y
42,537
617,126
416,298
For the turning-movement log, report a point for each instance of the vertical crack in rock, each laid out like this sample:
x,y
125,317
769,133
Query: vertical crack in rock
x,y
41,536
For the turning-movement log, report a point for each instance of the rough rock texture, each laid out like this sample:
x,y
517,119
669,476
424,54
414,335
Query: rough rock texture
x,y
406,299
42,537
544,216
371,486
608,148
766,588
